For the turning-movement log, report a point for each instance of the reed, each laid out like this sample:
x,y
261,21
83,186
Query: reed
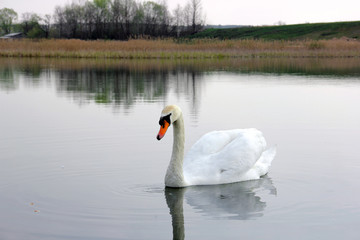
x,y
174,49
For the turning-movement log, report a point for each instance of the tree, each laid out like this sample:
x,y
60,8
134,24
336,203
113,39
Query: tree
x,y
7,17
116,19
59,20
165,19
30,25
155,18
101,17
122,15
196,15
186,15
138,20
128,12
72,16
101,3
46,25
178,20
89,20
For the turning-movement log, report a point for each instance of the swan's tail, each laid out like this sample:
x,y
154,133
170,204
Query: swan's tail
x,y
263,164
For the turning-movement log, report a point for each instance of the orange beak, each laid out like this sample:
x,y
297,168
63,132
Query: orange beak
x,y
163,129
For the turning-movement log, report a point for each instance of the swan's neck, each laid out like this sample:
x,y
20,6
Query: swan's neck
x,y
174,176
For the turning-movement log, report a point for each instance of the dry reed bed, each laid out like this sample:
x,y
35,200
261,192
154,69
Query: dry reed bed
x,y
170,49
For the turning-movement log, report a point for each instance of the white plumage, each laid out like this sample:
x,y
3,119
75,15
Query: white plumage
x,y
218,157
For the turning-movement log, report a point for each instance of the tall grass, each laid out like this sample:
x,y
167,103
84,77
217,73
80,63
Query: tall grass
x,y
170,49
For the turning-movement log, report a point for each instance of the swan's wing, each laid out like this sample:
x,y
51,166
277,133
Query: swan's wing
x,y
223,156
242,152
213,142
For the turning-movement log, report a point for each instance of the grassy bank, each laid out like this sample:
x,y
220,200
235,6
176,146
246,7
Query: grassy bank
x,y
170,49
314,31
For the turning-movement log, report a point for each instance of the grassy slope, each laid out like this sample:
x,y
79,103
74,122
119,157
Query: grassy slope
x,y
313,31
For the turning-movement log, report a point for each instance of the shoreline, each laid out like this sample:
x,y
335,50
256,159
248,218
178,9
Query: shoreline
x,y
175,49
297,66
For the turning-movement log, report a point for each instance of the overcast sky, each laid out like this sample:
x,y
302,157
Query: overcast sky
x,y
253,12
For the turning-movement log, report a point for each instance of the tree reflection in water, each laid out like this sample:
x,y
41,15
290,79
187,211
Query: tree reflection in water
x,y
120,83
122,87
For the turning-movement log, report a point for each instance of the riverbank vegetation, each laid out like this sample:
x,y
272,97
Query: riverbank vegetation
x,y
315,31
179,49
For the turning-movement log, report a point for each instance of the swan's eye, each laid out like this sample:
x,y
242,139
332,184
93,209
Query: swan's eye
x,y
163,119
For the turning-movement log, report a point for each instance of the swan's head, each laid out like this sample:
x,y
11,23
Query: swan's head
x,y
169,115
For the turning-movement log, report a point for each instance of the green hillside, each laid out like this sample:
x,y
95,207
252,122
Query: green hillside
x,y
287,32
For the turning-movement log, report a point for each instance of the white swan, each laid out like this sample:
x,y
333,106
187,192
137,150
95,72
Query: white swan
x,y
217,157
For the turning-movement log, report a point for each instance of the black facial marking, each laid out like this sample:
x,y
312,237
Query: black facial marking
x,y
165,118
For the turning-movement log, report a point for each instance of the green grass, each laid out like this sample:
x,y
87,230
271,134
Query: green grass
x,y
315,31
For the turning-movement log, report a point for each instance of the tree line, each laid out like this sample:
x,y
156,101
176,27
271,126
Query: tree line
x,y
107,19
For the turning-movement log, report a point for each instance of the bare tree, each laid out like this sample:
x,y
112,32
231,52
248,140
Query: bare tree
x,y
116,19
128,11
59,19
46,24
72,16
178,20
187,18
138,26
89,11
165,18
196,15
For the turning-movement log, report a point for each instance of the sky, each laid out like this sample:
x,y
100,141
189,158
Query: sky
x,y
235,12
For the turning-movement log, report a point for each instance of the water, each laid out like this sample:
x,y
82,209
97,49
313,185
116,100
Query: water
x,y
79,158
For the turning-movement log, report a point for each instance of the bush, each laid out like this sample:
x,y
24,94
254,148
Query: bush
x,y
36,32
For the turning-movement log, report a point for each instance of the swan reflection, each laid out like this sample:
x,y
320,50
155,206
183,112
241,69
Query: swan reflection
x,y
237,201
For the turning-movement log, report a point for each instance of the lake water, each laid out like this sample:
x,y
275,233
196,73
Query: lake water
x,y
79,157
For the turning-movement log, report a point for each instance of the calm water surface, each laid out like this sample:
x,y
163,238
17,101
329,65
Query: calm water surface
x,y
79,158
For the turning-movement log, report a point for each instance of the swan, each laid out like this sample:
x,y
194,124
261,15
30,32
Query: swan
x,y
218,157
